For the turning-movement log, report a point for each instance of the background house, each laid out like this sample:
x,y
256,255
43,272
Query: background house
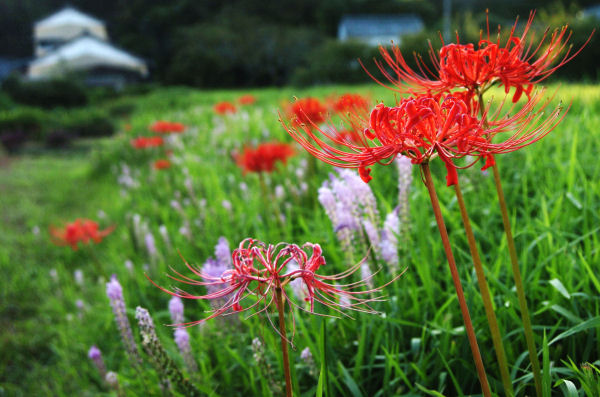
x,y
378,29
70,41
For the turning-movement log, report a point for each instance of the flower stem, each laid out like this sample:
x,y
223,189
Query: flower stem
x,y
284,342
485,295
535,363
485,387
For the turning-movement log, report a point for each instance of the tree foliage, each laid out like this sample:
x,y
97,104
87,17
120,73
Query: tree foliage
x,y
253,42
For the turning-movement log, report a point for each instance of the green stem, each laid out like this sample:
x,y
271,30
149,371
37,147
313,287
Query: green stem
x,y
535,363
284,342
485,387
485,295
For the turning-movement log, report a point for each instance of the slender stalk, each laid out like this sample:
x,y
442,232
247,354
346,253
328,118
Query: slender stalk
x,y
284,342
485,295
533,358
535,363
485,387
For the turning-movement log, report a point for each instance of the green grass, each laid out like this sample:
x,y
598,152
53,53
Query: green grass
x,y
417,348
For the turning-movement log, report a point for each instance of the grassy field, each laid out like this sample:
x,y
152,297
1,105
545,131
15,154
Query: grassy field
x,y
418,347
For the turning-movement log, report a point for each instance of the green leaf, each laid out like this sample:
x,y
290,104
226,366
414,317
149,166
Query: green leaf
x,y
556,283
591,273
349,381
567,314
546,378
570,386
591,323
319,391
429,392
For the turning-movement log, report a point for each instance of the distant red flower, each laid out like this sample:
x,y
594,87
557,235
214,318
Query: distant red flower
x,y
161,164
167,127
349,135
349,103
143,142
259,269
225,108
79,231
247,99
421,128
307,111
264,156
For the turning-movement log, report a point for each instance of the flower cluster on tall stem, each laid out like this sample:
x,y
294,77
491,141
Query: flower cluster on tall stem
x,y
167,127
259,268
143,142
446,117
424,127
517,63
259,278
80,231
264,157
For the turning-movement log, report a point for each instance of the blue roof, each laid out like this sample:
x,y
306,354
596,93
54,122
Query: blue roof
x,y
379,25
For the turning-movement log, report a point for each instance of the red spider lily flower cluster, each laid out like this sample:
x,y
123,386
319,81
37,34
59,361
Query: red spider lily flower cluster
x,y
264,157
143,142
225,108
307,111
445,117
424,127
247,99
517,63
79,231
349,103
259,269
167,127
161,164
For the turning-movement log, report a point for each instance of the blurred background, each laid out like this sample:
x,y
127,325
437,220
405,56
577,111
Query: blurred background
x,y
83,59
250,43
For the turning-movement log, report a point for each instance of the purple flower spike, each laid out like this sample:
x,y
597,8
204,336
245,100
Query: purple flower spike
x,y
176,309
96,356
114,291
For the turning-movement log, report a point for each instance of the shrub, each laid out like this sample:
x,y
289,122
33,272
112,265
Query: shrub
x,y
30,121
58,139
5,101
47,93
121,108
88,123
335,62
238,53
13,140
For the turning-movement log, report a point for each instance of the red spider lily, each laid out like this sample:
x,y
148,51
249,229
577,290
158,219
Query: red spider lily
x,y
259,269
417,128
167,127
517,63
307,111
161,164
225,108
264,156
349,103
247,99
79,231
425,127
143,142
